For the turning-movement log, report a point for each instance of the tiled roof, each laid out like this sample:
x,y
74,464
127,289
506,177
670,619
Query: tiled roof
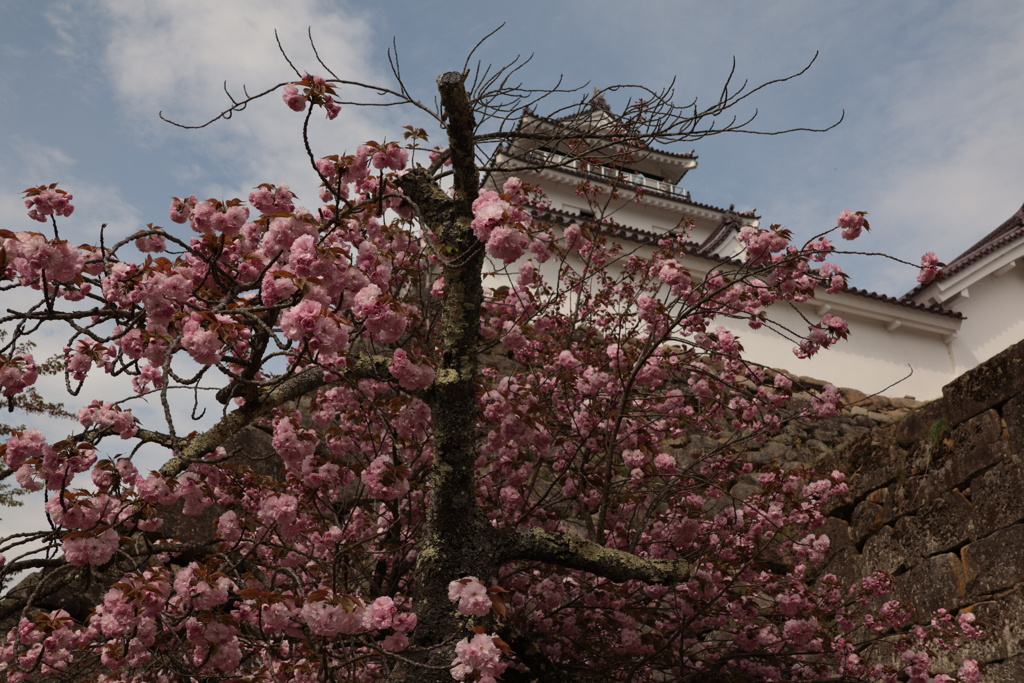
x,y
616,230
1011,230
906,303
639,236
730,223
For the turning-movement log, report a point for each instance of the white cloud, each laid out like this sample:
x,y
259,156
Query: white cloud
x,y
949,141
178,56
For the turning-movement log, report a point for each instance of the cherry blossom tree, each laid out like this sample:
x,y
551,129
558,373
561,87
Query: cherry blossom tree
x,y
474,483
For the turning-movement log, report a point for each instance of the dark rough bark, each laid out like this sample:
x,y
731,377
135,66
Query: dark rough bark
x,y
458,540
573,552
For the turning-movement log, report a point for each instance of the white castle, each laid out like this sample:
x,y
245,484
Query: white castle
x,y
932,333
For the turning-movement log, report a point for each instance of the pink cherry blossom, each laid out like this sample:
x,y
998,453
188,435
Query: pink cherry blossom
x,y
379,613
328,620
87,549
506,243
181,208
48,202
851,224
390,157
154,243
292,97
410,376
17,374
471,596
384,322
106,414
202,343
828,402
333,109
930,268
383,481
279,509
478,654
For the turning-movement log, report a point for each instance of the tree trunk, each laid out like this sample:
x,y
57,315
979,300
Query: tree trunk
x,y
458,540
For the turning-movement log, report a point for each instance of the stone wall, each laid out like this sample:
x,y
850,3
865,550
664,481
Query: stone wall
x,y
937,501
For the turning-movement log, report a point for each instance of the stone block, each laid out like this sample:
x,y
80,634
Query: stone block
x,y
838,532
851,396
846,564
934,583
942,525
903,528
1008,671
908,495
866,520
968,449
851,431
968,463
816,447
986,386
771,451
871,461
878,496
700,446
980,429
998,498
884,552
919,425
995,562
905,403
1013,414
830,434
742,490
1003,622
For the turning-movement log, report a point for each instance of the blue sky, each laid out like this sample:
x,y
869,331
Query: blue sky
x,y
932,92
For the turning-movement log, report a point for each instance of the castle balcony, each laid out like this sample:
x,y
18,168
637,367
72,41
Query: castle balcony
x,y
630,178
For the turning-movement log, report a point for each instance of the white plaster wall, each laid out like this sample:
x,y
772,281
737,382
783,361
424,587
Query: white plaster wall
x,y
995,318
872,359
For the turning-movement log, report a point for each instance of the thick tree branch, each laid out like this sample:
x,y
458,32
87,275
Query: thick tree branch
x,y
573,552
292,389
435,206
45,585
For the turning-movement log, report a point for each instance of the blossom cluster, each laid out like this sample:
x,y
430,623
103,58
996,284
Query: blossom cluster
x,y
46,201
315,90
501,221
852,224
478,658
